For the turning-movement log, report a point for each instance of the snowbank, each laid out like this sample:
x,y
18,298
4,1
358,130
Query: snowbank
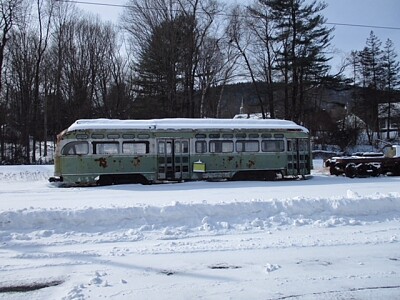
x,y
194,217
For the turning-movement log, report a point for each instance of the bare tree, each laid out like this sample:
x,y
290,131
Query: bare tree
x,y
241,39
60,66
210,61
10,11
64,18
217,65
21,80
261,25
44,10
112,97
227,72
203,15
168,37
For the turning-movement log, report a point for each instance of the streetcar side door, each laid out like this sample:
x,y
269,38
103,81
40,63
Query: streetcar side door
x,y
172,159
298,160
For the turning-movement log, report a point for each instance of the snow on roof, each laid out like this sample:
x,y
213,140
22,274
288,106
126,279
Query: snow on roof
x,y
182,123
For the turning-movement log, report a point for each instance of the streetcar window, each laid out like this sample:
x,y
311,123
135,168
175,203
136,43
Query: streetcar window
x,y
135,147
81,136
143,136
303,145
113,136
291,145
75,148
181,147
201,147
272,146
214,135
200,136
227,136
278,135
241,135
253,135
185,147
128,136
97,136
164,147
266,135
106,148
221,146
247,146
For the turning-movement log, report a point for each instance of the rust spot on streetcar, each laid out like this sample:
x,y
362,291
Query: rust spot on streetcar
x,y
251,163
136,161
102,162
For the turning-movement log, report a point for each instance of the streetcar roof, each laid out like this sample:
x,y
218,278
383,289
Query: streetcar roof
x,y
185,124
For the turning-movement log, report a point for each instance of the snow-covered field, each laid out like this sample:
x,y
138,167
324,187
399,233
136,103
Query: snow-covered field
x,y
323,238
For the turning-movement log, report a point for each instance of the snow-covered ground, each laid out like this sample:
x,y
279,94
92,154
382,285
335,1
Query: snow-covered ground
x,y
322,238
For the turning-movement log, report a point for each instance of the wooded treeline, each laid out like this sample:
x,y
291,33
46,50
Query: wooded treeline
x,y
170,58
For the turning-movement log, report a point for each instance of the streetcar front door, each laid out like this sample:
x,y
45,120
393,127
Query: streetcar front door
x,y
172,159
298,157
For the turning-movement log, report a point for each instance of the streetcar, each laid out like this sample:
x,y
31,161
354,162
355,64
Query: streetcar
x,y
110,151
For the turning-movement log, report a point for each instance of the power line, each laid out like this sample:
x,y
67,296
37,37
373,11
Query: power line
x,y
225,14
361,25
95,3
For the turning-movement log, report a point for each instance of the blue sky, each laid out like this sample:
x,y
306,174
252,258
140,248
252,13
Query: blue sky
x,y
383,13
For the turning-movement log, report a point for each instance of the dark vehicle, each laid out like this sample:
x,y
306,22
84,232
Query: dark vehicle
x,y
363,164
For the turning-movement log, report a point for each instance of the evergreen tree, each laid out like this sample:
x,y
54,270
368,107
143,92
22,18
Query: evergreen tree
x,y
298,31
391,67
372,62
378,71
391,77
161,69
167,38
372,65
355,64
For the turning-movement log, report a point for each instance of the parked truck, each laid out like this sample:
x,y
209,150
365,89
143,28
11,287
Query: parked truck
x,y
363,164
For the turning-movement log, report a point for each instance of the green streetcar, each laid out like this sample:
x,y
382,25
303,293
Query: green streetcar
x,y
107,151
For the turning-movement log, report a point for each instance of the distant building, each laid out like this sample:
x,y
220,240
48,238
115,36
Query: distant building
x,y
250,116
243,115
389,119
